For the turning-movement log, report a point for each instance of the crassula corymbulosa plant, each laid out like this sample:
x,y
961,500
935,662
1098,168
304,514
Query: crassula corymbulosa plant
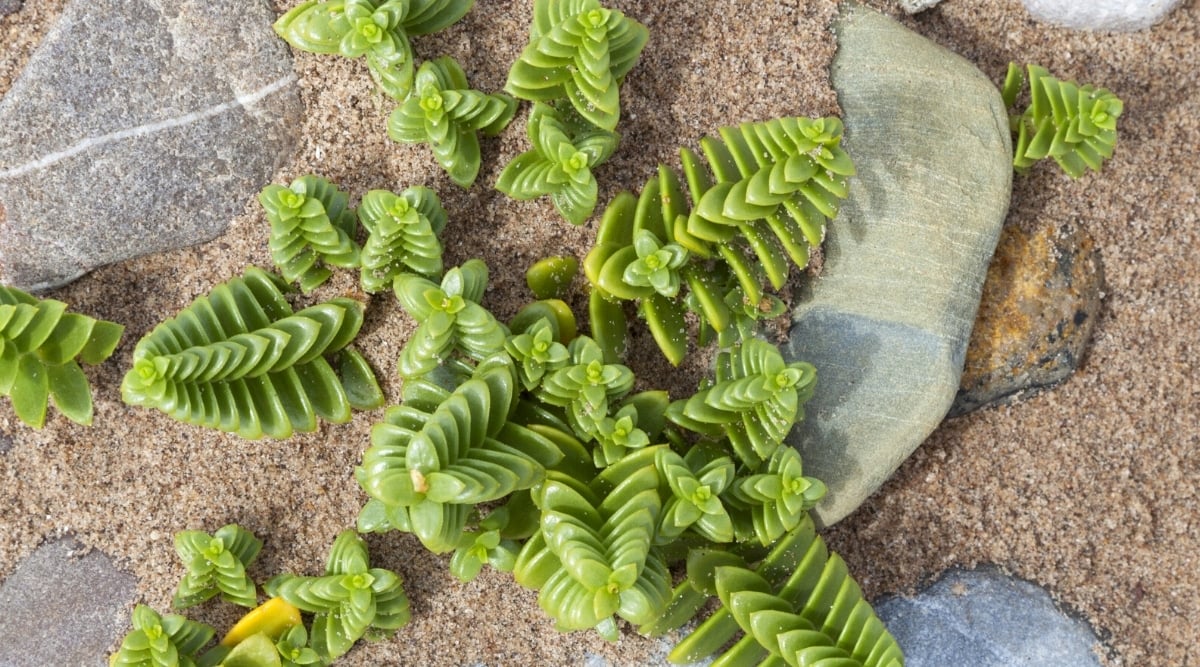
x,y
1076,125
41,345
311,225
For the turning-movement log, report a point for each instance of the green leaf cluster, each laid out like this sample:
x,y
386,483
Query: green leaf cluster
x,y
1076,125
160,641
41,345
216,564
446,113
379,31
578,51
559,164
311,225
403,235
757,210
241,361
351,601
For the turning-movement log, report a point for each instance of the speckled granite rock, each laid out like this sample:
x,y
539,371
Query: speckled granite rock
x,y
887,322
984,618
1119,15
60,608
1040,305
139,126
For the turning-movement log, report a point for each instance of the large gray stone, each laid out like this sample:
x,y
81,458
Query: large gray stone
x,y
139,126
984,618
888,320
59,608
1110,15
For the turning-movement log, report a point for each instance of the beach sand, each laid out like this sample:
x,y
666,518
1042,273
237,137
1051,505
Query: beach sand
x,y
1088,489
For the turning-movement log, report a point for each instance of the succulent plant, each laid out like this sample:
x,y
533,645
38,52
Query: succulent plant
x,y
40,343
216,564
378,30
1077,126
350,601
446,113
241,361
160,641
560,165
311,225
579,51
403,236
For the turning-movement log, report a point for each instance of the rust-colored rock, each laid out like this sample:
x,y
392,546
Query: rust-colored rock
x,y
1040,303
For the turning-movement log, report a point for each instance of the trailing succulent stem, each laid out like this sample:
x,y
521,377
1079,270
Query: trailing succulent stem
x,y
1077,126
41,345
757,210
311,225
445,113
241,361
560,165
379,30
578,51
160,641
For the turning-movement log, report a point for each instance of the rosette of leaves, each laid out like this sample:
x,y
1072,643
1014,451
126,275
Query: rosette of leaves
x,y
697,482
41,345
403,235
378,30
446,113
449,318
779,496
350,601
616,436
536,352
160,641
311,225
580,51
585,386
486,545
241,361
756,400
1076,125
593,556
216,564
560,165
432,460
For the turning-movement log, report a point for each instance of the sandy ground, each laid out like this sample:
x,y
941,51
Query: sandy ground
x,y
1089,489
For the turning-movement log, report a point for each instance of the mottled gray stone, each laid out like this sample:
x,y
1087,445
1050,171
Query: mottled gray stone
x,y
888,320
1115,15
10,6
59,608
6,442
139,126
984,618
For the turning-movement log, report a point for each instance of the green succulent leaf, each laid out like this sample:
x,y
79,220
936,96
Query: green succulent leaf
x,y
40,343
551,277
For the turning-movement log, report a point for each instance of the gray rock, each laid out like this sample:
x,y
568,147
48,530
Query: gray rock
x,y
915,6
887,322
984,618
10,6
1116,15
59,608
6,442
1040,304
139,126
